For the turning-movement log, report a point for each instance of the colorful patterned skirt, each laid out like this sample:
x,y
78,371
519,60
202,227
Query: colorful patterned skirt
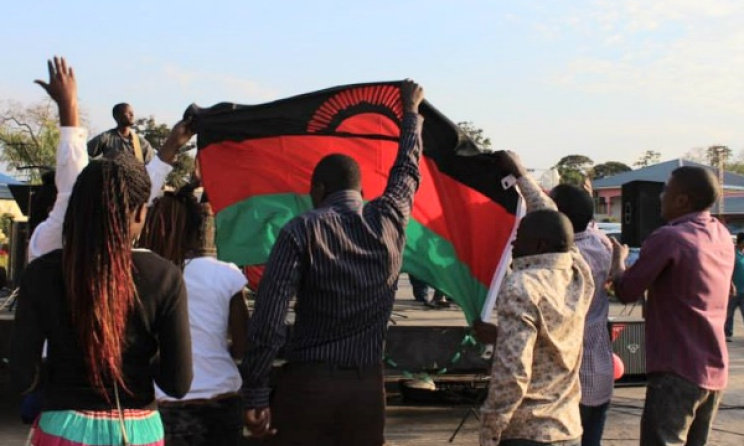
x,y
100,428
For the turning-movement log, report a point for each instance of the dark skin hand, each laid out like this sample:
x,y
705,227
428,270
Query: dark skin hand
x,y
411,94
258,422
62,88
485,332
180,134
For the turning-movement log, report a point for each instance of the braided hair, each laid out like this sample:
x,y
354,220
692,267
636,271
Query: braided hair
x,y
174,226
97,260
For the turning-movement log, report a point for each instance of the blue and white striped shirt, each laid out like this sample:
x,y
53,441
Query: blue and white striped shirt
x,y
342,261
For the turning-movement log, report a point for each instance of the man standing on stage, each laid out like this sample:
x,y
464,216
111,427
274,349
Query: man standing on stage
x,y
122,138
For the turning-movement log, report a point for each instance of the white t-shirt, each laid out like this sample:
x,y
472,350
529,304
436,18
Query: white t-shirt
x,y
210,284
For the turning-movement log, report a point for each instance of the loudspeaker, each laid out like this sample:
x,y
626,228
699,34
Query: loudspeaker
x,y
629,343
641,212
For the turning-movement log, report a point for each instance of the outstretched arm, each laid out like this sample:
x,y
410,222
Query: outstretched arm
x,y
72,155
404,177
161,166
534,197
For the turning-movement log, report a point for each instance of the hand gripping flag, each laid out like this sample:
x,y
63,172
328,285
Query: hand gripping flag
x,y
256,163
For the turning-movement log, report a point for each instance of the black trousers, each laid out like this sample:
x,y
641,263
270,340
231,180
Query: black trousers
x,y
217,422
319,404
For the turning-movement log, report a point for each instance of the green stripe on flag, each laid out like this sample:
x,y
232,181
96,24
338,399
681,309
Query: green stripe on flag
x,y
246,231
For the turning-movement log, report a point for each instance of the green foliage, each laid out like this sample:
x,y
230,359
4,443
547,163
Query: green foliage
x,y
574,169
650,157
28,137
715,155
6,221
476,134
608,169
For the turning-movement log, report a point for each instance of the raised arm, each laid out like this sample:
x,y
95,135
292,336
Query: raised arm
x,y
161,166
404,177
72,155
534,197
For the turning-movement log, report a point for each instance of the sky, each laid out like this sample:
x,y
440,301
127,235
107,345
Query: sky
x,y
608,79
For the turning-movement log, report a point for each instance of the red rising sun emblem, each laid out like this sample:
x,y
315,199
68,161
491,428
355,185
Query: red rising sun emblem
x,y
381,100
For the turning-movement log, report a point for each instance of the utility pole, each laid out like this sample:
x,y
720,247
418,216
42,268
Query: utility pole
x,y
721,153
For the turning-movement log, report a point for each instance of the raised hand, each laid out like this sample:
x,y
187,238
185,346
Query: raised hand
x,y
62,88
620,254
511,163
412,94
180,134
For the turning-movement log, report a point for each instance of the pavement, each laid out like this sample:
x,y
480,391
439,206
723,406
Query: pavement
x,y
409,425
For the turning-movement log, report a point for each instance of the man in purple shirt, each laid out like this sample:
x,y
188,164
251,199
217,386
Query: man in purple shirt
x,y
686,267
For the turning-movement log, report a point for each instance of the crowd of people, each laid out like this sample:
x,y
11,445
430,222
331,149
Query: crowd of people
x,y
124,313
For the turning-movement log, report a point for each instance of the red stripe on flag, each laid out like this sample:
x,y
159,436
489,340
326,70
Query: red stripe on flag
x,y
477,227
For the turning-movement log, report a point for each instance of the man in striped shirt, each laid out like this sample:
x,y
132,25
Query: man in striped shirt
x,y
596,373
342,261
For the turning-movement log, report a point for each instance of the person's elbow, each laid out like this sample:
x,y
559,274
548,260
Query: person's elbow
x,y
178,388
626,294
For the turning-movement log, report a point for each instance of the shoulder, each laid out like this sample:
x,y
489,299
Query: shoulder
x,y
152,269
662,236
215,266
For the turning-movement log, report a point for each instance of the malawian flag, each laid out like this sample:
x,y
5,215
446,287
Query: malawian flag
x,y
256,164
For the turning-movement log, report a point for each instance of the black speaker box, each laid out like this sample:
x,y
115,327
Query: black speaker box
x,y
629,343
641,210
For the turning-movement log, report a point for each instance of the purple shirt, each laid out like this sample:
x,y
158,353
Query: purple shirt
x,y
686,267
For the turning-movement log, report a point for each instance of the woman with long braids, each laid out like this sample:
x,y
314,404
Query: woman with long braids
x,y
181,230
114,319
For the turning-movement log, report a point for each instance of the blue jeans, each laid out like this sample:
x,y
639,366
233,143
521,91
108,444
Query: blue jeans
x,y
733,303
593,422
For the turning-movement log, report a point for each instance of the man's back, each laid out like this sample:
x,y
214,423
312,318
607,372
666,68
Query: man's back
x,y
352,258
541,309
687,267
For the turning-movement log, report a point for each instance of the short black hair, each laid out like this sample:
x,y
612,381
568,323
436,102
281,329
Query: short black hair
x,y
699,184
551,226
740,238
337,172
118,108
575,203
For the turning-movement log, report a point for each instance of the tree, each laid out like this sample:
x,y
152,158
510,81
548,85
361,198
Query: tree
x,y
156,135
650,157
28,137
608,169
574,169
476,134
715,155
